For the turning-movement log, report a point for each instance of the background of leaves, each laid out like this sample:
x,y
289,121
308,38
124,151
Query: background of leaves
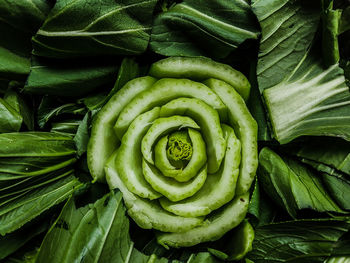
x,y
60,61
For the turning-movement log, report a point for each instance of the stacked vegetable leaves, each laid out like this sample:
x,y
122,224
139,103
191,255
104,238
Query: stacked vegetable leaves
x,y
62,61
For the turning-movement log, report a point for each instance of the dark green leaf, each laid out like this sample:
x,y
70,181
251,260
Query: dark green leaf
x,y
26,185
21,106
68,127
30,160
50,107
330,30
89,234
342,247
91,27
256,106
260,206
288,28
19,20
274,176
329,151
95,101
320,102
23,256
10,119
339,188
81,138
202,257
15,214
304,241
292,185
199,28
22,166
27,144
69,78
301,96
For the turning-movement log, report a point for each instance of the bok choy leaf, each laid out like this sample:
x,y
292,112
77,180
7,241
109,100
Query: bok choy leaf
x,y
19,20
302,97
203,28
36,172
98,232
90,28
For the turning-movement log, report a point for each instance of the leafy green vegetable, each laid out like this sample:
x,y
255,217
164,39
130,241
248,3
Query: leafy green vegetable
x,y
14,111
29,144
19,20
81,138
322,108
256,107
69,78
303,98
14,215
330,19
336,154
91,231
35,174
332,162
186,131
128,70
68,127
300,241
50,108
339,188
90,28
288,28
261,207
202,28
11,120
293,185
94,224
178,136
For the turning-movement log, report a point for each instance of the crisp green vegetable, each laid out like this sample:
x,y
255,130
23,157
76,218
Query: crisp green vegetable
x,y
213,28
35,174
293,185
76,228
103,139
73,79
187,129
297,241
14,112
302,97
116,28
149,97
19,22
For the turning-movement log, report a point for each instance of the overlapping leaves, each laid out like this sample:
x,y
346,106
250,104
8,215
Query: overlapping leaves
x,y
301,95
203,28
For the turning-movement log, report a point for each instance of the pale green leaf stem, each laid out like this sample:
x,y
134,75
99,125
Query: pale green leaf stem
x,y
172,150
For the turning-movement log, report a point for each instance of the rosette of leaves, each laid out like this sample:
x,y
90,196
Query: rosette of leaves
x,y
181,146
